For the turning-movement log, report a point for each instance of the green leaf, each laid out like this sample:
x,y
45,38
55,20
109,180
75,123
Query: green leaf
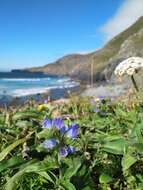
x,y
31,168
45,133
74,165
105,178
22,123
116,147
14,161
12,182
110,138
7,150
46,176
127,161
139,147
121,113
87,188
25,115
138,132
67,185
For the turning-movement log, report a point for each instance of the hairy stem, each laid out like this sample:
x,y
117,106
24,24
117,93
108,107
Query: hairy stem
x,y
134,83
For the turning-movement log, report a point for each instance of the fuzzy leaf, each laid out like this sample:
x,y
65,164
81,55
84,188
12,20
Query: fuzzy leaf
x,y
74,165
67,185
127,161
7,150
14,161
115,147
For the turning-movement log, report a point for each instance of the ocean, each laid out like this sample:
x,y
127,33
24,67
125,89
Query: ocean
x,y
18,84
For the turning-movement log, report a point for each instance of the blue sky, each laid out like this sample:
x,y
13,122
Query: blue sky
x,y
37,32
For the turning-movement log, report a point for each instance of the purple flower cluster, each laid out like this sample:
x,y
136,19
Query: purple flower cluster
x,y
57,122
70,131
100,105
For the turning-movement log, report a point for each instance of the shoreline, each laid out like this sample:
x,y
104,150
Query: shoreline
x,y
53,94
105,89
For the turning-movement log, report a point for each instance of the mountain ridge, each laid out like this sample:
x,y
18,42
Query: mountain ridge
x,y
127,43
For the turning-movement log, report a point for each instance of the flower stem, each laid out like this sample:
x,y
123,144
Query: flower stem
x,y
134,83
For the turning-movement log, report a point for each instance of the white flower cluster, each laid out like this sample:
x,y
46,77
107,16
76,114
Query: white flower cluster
x,y
129,66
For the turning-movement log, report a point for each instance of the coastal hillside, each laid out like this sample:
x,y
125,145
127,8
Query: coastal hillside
x,y
126,44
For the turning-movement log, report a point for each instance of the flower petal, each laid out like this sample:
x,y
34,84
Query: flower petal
x,y
50,143
71,149
63,151
63,130
58,123
72,131
96,110
47,123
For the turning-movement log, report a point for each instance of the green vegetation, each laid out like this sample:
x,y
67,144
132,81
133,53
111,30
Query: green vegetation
x,y
108,149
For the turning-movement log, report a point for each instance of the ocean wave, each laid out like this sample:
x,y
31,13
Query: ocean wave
x,y
27,92
34,91
24,79
64,80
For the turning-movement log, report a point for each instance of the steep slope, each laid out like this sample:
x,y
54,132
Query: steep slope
x,y
132,46
126,44
64,65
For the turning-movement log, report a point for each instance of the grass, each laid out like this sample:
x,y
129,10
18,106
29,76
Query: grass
x,y
109,147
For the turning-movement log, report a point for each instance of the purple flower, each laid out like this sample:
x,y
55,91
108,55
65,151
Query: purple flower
x,y
102,97
71,149
93,101
58,123
72,131
47,123
96,110
50,144
63,130
45,101
63,151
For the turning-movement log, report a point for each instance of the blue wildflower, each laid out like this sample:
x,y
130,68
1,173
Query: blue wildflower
x,y
96,110
71,149
45,101
63,151
72,131
47,123
102,97
50,144
58,123
63,130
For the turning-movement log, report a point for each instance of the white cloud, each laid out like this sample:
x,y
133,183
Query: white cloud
x,y
125,16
